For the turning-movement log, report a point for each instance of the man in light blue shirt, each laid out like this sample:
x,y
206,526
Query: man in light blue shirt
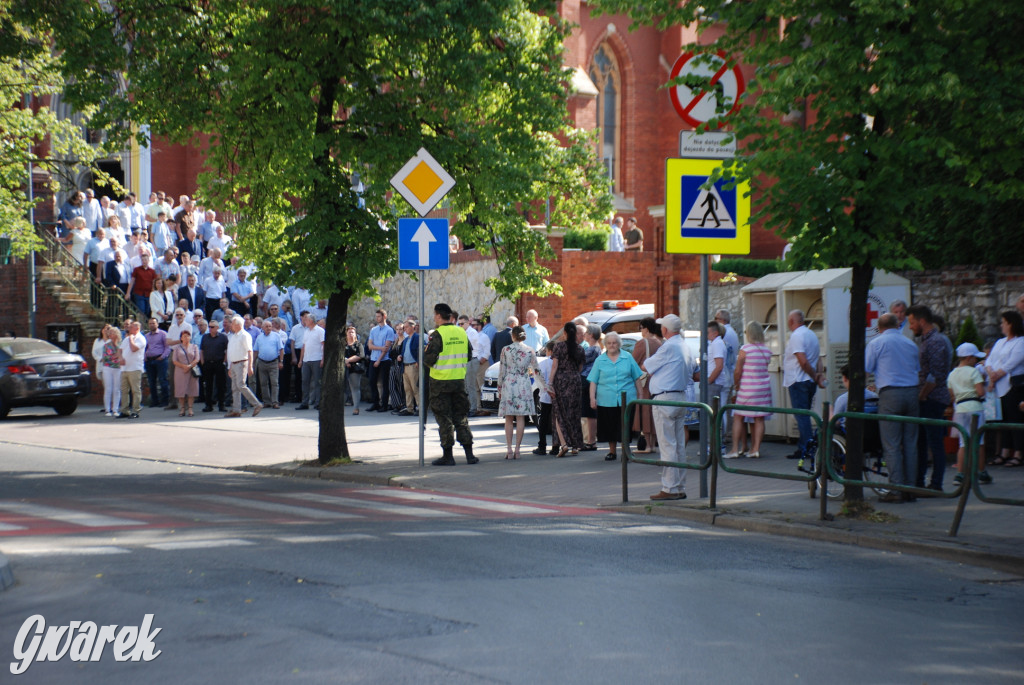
x,y
894,360
536,335
671,371
269,350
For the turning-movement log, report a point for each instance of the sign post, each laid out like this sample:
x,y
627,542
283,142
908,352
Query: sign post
x,y
725,86
422,243
704,219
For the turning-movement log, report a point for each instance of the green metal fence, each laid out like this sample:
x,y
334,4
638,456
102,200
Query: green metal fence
x,y
826,465
627,451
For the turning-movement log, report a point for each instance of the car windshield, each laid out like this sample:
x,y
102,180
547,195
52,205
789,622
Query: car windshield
x,y
27,346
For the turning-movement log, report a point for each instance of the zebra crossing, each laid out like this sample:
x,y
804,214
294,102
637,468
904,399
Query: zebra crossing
x,y
42,517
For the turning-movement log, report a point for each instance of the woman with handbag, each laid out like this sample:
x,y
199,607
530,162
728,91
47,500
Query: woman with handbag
x,y
642,420
185,357
355,366
1005,367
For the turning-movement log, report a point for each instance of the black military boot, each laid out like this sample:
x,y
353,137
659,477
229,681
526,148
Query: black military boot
x,y
446,459
470,459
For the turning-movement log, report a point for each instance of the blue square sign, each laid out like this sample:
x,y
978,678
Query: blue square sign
x,y
422,244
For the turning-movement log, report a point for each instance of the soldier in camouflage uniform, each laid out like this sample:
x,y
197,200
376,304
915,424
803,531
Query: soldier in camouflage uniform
x,y
447,356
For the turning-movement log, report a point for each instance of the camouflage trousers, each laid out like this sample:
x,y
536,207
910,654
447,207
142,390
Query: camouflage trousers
x,y
450,404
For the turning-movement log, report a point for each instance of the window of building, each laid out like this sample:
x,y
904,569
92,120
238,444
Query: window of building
x,y
604,72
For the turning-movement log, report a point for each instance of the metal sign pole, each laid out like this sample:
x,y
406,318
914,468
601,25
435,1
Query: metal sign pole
x,y
422,365
706,423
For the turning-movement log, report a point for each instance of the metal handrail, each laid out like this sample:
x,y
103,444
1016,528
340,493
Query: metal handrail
x,y
627,450
109,304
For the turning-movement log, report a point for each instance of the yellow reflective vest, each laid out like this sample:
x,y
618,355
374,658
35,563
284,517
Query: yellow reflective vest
x,y
454,358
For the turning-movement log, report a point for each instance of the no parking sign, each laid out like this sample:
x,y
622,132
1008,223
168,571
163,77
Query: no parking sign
x,y
726,85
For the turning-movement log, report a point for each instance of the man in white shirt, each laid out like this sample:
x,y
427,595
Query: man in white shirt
x,y
311,362
297,335
208,228
536,335
800,374
215,288
719,375
479,360
671,370
91,211
133,349
240,367
615,240
471,385
300,300
220,240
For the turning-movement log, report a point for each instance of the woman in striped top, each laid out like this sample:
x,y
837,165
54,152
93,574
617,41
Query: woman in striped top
x,y
753,389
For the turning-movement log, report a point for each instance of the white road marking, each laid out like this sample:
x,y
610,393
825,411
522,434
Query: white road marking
x,y
387,507
439,534
67,551
276,507
305,539
500,507
79,518
200,544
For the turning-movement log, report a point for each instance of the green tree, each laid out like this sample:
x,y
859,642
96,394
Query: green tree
x,y
28,73
866,123
298,96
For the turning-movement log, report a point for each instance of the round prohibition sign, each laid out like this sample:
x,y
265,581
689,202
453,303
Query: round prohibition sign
x,y
698,107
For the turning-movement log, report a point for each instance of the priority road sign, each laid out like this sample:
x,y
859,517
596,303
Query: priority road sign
x,y
726,85
422,182
422,244
715,220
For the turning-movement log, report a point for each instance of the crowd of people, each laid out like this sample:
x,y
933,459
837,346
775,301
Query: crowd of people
x,y
210,326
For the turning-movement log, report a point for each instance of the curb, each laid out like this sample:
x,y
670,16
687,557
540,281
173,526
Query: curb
x,y
899,545
724,519
6,575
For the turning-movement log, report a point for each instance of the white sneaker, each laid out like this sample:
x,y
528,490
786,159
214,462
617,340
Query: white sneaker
x,y
110,413
732,455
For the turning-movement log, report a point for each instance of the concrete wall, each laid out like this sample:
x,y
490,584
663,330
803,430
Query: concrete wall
x,y
461,286
961,291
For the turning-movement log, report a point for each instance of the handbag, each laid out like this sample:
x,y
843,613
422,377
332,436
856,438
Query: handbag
x,y
197,372
645,379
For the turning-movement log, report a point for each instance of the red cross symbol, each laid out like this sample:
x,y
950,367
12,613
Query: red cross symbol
x,y
871,316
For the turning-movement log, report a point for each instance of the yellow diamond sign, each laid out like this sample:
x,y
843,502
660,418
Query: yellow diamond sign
x,y
422,182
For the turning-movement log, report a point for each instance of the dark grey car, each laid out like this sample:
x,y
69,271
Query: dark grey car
x,y
35,373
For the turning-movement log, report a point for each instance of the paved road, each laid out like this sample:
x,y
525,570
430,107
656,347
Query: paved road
x,y
356,584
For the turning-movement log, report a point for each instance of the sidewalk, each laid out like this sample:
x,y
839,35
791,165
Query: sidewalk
x,y
386,452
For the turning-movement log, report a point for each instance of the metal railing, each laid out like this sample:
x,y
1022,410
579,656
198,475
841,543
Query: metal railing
x,y
825,467
627,451
109,304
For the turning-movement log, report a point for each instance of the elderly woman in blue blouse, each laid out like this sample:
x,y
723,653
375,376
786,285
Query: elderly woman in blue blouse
x,y
614,373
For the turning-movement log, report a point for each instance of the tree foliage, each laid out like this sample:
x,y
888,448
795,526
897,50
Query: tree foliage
x,y
298,96
29,71
876,132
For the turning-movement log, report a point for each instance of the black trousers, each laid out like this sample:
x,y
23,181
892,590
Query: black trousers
x,y
215,376
380,376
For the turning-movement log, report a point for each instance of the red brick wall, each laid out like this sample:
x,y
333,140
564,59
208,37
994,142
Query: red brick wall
x,y
14,313
590,277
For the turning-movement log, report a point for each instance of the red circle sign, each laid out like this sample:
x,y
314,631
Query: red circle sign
x,y
698,107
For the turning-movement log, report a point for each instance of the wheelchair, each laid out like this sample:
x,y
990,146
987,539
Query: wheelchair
x,y
875,471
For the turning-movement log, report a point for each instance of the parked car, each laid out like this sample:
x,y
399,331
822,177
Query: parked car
x,y
35,373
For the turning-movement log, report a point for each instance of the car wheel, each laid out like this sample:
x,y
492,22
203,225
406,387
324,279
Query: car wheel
x,y
66,407
5,408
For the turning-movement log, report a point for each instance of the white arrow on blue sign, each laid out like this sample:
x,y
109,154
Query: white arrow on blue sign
x,y
422,244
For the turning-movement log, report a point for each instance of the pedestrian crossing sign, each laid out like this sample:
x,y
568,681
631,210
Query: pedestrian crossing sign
x,y
699,220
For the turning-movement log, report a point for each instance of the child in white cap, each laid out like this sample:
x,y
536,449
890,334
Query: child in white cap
x,y
967,387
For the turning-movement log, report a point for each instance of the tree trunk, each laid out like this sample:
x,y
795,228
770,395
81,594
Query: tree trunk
x,y
332,442
861,284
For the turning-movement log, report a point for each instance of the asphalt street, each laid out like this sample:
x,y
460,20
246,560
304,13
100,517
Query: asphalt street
x,y
260,579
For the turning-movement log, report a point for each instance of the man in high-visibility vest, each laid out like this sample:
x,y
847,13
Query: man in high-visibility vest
x,y
447,357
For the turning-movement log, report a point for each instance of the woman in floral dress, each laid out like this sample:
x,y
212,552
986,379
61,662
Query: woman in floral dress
x,y
514,390
565,391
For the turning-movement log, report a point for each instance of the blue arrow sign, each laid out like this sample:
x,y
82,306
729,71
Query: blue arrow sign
x,y
422,244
